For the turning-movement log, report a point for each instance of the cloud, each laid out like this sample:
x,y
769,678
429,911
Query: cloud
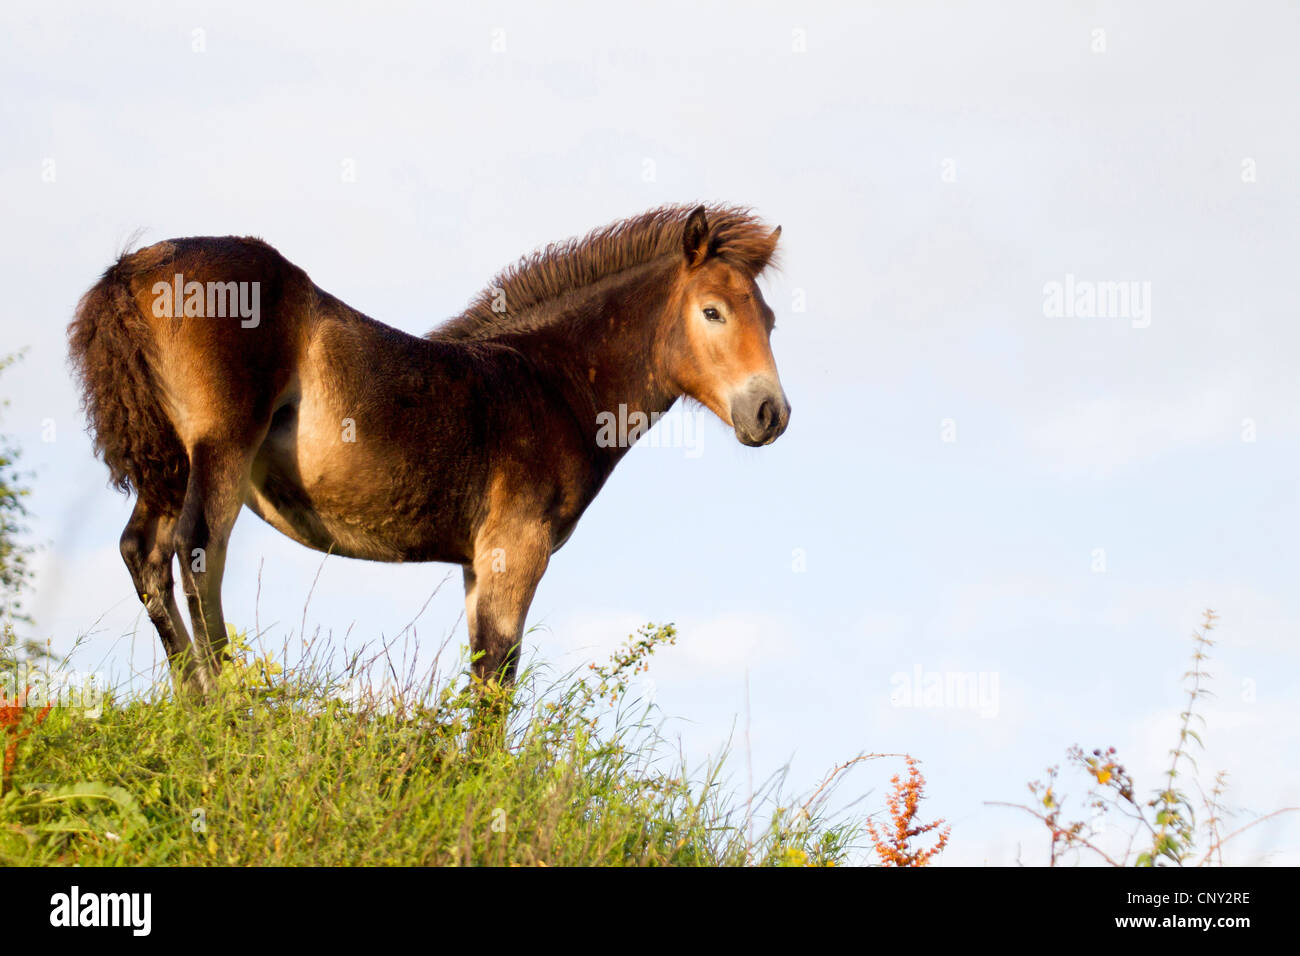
x,y
1101,435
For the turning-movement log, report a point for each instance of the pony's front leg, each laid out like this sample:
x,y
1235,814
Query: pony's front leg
x,y
509,559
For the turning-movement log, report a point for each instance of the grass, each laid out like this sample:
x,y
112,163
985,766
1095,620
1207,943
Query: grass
x,y
292,769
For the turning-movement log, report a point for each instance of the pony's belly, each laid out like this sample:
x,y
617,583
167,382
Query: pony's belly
x,y
310,528
356,512
372,538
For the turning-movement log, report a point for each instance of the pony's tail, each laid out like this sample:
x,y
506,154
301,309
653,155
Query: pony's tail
x,y
110,345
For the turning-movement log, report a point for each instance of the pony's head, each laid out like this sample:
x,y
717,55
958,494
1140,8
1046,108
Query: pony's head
x,y
723,328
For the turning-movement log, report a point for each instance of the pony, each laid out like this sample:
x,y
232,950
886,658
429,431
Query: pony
x,y
215,375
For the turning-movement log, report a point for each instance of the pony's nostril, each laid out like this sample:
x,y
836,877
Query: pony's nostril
x,y
766,414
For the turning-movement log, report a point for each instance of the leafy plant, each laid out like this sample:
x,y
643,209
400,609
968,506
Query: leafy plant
x,y
1163,829
15,572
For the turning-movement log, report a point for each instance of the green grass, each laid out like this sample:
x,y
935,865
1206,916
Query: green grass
x,y
285,769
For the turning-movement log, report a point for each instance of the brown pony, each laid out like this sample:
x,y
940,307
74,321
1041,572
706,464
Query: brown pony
x,y
216,374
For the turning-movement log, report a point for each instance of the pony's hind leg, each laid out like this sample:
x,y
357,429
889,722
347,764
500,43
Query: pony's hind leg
x,y
218,485
147,549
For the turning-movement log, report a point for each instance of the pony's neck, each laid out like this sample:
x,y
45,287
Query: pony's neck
x,y
610,345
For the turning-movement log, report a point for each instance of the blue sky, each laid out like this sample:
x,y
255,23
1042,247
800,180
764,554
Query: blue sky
x,y
933,167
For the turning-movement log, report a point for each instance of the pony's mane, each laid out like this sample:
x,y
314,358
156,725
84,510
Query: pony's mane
x,y
735,235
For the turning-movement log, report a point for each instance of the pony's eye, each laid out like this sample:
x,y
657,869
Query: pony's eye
x,y
712,315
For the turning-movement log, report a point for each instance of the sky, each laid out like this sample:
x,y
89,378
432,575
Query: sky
x,y
978,478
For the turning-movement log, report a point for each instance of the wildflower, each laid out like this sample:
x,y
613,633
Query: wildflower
x,y
896,849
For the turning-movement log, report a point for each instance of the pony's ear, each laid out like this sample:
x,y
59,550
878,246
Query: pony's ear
x,y
768,254
695,237
756,252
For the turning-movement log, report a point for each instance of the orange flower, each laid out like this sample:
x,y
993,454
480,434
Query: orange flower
x,y
10,717
895,848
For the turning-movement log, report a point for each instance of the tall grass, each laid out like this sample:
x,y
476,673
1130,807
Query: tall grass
x,y
307,767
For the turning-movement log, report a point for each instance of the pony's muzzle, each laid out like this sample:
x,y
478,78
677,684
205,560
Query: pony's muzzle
x,y
760,411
